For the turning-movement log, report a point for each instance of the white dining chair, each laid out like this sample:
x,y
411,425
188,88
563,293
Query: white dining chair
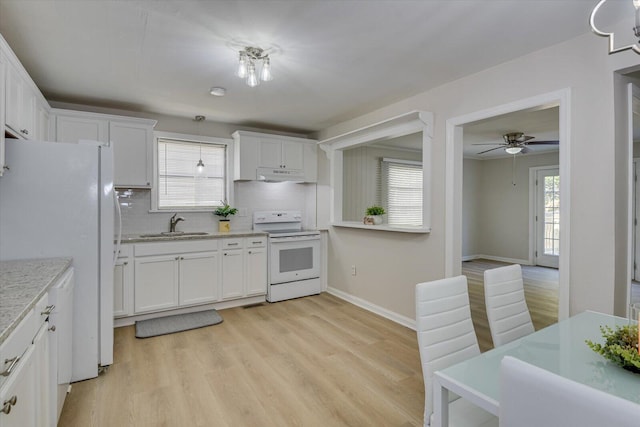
x,y
534,397
445,337
507,310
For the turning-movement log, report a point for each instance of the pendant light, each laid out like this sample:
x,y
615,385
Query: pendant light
x,y
200,164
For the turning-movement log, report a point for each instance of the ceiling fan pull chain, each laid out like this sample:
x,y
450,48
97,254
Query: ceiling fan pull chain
x,y
513,171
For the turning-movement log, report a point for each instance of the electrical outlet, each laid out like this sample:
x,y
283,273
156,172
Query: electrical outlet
x,y
353,270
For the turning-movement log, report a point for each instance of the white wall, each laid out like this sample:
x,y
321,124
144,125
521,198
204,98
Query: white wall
x,y
471,195
249,196
398,261
499,222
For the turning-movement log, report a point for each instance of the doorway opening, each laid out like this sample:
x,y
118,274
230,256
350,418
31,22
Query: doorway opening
x,y
456,135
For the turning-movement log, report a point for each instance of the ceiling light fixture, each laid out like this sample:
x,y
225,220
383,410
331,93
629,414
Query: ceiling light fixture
x,y
248,58
636,29
513,150
218,91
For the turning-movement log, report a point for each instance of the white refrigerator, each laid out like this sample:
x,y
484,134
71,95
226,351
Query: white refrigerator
x,y
57,200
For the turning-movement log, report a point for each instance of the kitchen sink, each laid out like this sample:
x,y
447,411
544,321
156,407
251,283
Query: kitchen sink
x,y
175,233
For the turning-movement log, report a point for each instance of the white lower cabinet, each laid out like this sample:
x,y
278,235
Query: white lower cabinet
x,y
244,267
232,273
41,349
175,274
156,283
256,271
122,286
159,276
18,394
26,396
199,278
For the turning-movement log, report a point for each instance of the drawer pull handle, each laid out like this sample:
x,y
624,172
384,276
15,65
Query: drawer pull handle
x,y
48,310
6,407
232,244
13,362
256,243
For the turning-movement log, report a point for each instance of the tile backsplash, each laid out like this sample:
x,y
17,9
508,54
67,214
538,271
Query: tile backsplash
x,y
250,196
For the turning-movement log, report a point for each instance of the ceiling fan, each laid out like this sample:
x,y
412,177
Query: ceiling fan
x,y
517,142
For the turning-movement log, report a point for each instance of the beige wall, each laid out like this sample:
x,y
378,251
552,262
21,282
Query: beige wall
x,y
395,262
499,224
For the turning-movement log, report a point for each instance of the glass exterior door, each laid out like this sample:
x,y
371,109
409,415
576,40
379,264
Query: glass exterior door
x,y
547,217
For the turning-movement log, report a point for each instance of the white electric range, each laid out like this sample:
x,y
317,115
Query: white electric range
x,y
294,255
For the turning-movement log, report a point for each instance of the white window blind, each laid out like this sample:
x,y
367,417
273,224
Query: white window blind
x,y
402,194
180,185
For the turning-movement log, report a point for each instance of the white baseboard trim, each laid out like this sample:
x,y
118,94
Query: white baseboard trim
x,y
381,311
497,258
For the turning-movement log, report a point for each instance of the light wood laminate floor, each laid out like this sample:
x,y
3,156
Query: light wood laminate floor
x,y
540,291
314,361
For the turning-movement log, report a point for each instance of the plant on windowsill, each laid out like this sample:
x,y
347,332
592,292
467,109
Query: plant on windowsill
x,y
224,211
620,347
374,215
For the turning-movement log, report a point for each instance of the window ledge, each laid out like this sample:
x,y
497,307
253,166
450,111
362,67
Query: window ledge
x,y
382,227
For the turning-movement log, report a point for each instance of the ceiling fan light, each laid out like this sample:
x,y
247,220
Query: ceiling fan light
x,y
513,150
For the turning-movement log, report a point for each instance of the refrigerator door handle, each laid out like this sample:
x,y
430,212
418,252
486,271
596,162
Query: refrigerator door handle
x,y
119,216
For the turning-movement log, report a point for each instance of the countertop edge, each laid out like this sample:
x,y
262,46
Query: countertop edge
x,y
135,238
50,281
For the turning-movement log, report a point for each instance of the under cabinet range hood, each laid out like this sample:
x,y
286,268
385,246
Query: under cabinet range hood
x,y
278,175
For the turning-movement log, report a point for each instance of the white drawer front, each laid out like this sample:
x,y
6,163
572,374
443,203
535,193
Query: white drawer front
x,y
236,243
256,242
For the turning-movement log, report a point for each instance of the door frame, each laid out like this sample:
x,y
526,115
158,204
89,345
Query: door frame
x,y
533,209
453,183
633,91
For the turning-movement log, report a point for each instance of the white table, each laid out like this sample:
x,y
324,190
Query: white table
x,y
559,348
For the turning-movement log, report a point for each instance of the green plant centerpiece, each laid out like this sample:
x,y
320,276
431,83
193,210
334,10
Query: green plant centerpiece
x,y
224,211
620,347
373,215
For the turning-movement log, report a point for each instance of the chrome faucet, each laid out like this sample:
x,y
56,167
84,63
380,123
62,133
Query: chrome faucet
x,y
173,222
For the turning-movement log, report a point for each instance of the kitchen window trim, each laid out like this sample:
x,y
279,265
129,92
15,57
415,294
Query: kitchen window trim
x,y
229,162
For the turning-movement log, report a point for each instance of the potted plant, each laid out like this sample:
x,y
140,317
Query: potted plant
x,y
224,211
374,215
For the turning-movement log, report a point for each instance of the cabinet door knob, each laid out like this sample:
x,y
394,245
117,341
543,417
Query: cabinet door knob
x,y
125,263
177,258
6,407
13,362
249,252
24,131
48,310
52,328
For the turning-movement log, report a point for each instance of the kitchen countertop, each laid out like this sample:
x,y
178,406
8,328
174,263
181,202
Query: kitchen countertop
x,y
22,284
137,238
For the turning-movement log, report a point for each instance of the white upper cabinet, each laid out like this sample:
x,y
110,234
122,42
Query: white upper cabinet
x,y
24,113
131,139
277,157
22,99
19,105
3,63
132,149
72,128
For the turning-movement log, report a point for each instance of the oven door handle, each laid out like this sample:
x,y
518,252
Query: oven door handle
x,y
275,240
